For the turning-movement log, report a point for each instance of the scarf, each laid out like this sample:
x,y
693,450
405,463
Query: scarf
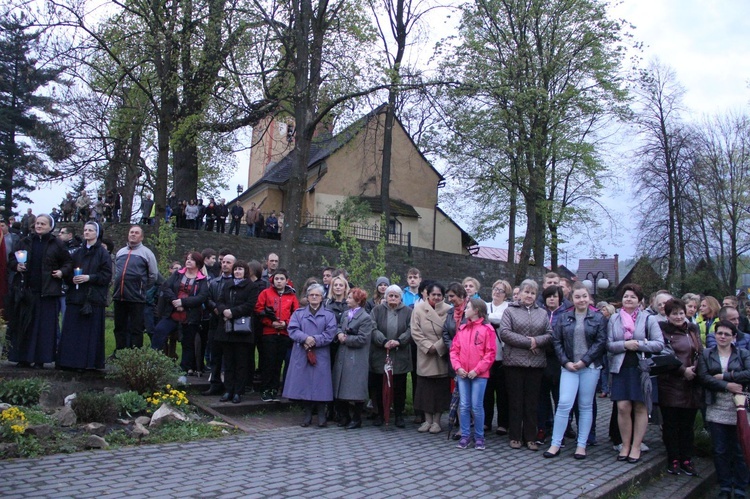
x,y
628,323
351,312
458,313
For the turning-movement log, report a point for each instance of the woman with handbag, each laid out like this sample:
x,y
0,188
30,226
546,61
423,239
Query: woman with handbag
x,y
234,333
82,337
181,305
631,333
679,392
723,370
308,380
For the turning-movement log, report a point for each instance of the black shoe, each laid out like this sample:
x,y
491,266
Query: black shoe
x,y
225,397
634,460
354,425
550,455
673,468
322,424
214,390
378,421
305,424
400,423
622,458
578,456
343,422
23,364
236,399
689,470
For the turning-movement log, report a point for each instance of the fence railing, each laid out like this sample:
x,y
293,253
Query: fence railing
x,y
369,232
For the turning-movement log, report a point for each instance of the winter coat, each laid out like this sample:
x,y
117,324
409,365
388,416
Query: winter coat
x,y
650,341
473,348
192,304
401,355
241,299
674,389
427,331
136,271
337,307
305,381
518,325
283,305
595,329
55,257
221,211
96,263
738,371
191,212
350,370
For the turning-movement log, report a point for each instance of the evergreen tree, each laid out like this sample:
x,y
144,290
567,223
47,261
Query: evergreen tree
x,y
27,140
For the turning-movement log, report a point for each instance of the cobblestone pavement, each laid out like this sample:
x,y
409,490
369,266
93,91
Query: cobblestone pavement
x,y
290,461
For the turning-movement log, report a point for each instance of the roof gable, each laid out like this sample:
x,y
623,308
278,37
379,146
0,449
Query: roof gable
x,y
608,266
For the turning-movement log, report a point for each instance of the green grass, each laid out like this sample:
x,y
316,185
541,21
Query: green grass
x,y
109,338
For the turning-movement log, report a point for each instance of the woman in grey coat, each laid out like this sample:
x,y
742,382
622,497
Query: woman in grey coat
x,y
312,329
350,371
392,335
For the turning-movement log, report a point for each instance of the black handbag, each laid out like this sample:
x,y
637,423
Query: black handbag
x,y
241,325
662,363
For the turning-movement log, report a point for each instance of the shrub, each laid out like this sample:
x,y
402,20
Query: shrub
x,y
24,392
130,403
95,407
144,369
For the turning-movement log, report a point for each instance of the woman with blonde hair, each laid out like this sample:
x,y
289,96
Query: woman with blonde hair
x,y
472,287
708,316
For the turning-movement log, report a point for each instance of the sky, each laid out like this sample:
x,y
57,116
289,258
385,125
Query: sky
x,y
706,42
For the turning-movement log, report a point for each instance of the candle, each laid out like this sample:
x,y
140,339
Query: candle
x,y
76,272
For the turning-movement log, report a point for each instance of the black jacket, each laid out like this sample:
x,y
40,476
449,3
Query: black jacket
x,y
97,264
240,299
56,257
738,371
192,304
595,328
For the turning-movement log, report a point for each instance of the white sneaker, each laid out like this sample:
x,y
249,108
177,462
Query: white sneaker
x,y
435,428
424,428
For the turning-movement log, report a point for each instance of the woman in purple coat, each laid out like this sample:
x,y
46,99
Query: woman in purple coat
x,y
308,379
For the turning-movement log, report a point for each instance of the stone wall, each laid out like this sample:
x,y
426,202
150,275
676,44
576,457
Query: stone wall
x,y
442,266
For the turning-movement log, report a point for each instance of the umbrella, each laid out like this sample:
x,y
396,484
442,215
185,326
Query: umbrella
x,y
387,386
743,428
645,368
453,411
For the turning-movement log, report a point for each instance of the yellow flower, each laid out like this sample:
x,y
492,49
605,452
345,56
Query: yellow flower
x,y
17,428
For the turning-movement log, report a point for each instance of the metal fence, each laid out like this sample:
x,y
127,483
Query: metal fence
x,y
364,232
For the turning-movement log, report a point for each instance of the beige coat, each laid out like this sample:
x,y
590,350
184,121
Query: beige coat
x,y
427,331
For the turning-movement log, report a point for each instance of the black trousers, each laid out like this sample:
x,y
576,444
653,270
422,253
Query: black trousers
x,y
274,351
375,382
235,362
496,395
523,398
677,432
128,324
221,225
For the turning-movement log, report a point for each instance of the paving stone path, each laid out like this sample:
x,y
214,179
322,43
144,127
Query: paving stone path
x,y
290,461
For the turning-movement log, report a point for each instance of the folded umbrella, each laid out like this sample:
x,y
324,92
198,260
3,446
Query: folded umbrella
x,y
387,386
453,410
646,387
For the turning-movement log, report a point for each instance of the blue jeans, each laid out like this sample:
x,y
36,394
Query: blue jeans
x,y
471,392
583,384
731,471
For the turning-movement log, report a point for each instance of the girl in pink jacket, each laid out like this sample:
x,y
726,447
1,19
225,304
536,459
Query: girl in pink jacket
x,y
472,354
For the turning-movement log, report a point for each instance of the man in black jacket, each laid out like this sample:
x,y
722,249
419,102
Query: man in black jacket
x,y
222,212
237,213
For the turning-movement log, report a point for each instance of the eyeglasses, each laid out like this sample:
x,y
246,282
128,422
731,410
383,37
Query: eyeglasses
x,y
498,290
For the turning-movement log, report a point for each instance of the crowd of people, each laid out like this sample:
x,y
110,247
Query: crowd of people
x,y
535,356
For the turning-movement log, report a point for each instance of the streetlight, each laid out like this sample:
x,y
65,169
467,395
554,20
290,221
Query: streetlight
x,y
239,190
595,281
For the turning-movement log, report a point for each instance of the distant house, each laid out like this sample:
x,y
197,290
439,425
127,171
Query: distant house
x,y
498,254
349,164
565,272
644,275
609,268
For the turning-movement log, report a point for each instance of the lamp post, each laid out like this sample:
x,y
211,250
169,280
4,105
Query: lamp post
x,y
239,190
596,281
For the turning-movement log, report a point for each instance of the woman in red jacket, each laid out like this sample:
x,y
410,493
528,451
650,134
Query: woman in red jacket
x,y
275,306
472,354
